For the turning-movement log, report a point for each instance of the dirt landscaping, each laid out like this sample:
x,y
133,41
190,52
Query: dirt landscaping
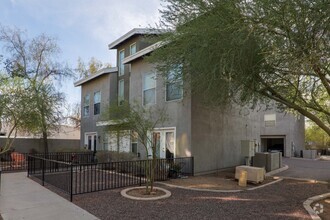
x,y
283,200
141,193
224,180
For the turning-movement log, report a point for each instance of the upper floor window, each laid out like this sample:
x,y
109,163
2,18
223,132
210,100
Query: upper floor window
x,y
149,89
132,49
86,105
270,120
97,103
121,65
121,90
174,86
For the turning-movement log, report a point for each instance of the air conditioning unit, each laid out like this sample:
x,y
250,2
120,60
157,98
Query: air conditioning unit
x,y
269,161
254,174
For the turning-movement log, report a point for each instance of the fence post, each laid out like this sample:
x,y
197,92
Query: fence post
x,y
43,171
28,165
192,165
140,173
71,182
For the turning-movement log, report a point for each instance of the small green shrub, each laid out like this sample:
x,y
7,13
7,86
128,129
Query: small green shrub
x,y
67,149
113,156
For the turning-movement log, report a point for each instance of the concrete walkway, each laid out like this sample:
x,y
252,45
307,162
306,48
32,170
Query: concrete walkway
x,y
22,198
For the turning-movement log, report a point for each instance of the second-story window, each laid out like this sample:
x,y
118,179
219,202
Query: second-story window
x,y
132,49
86,105
97,103
121,90
149,89
174,88
121,65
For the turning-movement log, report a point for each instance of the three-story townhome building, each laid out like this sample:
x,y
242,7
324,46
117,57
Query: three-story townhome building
x,y
212,135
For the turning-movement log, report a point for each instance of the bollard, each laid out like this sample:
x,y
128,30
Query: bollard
x,y
242,178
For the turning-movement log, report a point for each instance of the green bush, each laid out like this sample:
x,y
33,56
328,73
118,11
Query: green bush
x,y
113,156
67,149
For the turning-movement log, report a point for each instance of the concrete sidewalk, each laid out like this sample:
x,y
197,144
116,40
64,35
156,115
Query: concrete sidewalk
x,y
22,198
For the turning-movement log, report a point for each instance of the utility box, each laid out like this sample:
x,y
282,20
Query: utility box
x,y
309,154
247,148
270,161
254,174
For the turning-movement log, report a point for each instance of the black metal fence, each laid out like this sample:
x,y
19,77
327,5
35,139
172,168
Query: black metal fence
x,y
74,178
15,161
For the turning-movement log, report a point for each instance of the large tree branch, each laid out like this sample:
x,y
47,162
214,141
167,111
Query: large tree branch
x,y
272,94
323,78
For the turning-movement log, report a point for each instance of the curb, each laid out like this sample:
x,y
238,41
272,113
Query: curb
x,y
267,184
285,167
221,190
303,179
309,201
124,194
202,190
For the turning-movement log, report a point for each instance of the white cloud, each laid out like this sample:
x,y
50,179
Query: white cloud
x,y
101,19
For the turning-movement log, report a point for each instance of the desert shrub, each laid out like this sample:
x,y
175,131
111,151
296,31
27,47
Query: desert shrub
x,y
33,151
113,156
69,149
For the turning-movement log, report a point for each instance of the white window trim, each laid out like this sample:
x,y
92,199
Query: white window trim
x,y
119,68
90,134
167,129
144,90
130,49
133,142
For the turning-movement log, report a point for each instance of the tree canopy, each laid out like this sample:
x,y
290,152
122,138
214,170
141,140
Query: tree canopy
x,y
84,70
316,137
251,52
31,65
140,122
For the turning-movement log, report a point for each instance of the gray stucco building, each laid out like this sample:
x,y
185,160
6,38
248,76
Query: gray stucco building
x,y
212,135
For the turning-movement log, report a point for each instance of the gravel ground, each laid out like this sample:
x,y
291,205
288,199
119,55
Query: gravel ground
x,y
282,200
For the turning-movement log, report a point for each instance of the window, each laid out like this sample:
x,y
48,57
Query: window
x,y
169,144
132,49
149,89
134,142
270,120
121,65
86,105
121,92
156,143
97,102
174,90
90,141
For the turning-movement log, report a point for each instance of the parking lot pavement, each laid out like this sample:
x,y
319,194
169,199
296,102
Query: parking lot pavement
x,y
307,169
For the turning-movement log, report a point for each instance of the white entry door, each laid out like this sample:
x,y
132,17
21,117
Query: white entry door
x,y
90,141
165,143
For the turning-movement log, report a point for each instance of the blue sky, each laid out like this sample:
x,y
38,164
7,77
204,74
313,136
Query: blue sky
x,y
83,28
